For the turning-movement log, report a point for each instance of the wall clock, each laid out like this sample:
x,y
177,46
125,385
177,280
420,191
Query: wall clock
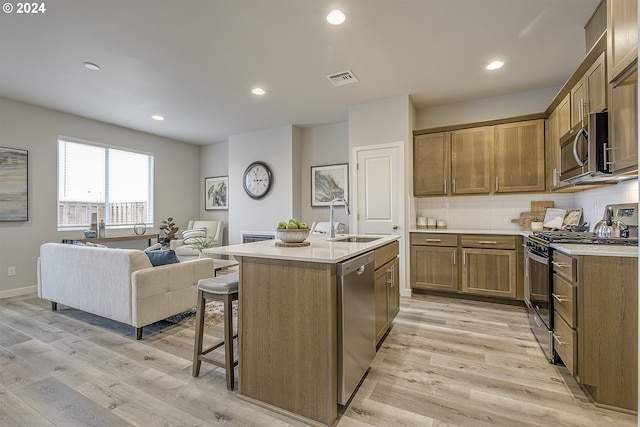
x,y
257,180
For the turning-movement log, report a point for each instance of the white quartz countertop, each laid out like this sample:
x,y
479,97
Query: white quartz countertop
x,y
471,231
321,249
597,250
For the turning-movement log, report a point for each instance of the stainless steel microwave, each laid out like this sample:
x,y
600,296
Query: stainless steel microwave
x,y
583,152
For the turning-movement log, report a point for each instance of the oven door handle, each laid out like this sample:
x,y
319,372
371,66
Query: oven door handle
x,y
537,258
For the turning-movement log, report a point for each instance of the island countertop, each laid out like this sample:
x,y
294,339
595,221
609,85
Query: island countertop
x,y
322,249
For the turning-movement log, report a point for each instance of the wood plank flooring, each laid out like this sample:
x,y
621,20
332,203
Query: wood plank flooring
x,y
446,362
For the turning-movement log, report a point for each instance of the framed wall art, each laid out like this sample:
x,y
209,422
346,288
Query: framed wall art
x,y
215,193
14,198
328,183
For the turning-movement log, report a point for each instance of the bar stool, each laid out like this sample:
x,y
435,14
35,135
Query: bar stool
x,y
225,289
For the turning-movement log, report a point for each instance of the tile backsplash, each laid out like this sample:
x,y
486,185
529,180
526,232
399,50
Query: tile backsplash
x,y
496,212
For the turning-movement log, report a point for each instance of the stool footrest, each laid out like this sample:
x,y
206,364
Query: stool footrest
x,y
216,362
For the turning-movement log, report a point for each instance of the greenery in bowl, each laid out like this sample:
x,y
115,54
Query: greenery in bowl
x,y
292,235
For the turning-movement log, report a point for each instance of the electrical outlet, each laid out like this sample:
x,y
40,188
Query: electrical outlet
x,y
11,271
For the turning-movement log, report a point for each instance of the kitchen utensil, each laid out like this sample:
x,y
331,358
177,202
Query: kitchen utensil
x,y
609,227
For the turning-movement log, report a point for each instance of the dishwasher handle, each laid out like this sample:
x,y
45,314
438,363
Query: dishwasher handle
x,y
358,264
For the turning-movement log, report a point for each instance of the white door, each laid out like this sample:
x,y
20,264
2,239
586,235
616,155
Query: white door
x,y
379,185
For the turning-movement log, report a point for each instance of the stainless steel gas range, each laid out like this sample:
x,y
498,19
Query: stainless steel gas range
x,y
539,270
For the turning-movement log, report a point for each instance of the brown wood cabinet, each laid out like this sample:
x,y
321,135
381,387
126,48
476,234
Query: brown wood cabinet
x,y
387,287
623,128
589,95
434,261
519,161
558,124
486,265
622,40
471,151
565,334
432,164
608,330
489,264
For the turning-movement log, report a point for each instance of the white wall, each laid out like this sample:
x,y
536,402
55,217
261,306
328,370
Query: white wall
x,y
321,146
36,129
593,202
381,122
275,147
214,161
498,107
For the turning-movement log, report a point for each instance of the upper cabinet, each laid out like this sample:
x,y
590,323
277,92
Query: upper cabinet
x,y
622,40
623,129
470,160
519,161
431,157
589,95
505,158
558,124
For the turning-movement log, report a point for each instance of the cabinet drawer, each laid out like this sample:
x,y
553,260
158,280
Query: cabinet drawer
x,y
564,265
430,239
565,343
564,299
385,254
488,241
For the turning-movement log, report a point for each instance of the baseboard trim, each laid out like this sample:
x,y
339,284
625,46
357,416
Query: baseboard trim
x,y
17,292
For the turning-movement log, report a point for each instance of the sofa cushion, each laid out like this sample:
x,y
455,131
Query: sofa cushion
x,y
191,236
162,257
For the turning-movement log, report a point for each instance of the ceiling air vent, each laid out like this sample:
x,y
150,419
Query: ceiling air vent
x,y
342,78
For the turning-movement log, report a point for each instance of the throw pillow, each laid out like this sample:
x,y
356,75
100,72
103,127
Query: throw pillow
x,y
191,236
162,257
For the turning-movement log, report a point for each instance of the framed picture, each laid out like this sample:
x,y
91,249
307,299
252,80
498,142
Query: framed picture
x,y
14,200
216,192
328,183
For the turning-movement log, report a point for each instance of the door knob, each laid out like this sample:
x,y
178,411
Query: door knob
x,y
395,227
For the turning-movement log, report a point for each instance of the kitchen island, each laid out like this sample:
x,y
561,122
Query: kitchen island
x,y
288,322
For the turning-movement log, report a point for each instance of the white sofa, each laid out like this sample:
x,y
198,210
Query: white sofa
x,y
214,229
119,284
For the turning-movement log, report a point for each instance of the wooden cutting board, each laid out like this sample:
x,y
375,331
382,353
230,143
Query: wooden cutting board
x,y
526,218
541,206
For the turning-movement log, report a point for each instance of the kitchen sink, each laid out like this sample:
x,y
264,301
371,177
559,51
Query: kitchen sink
x,y
356,239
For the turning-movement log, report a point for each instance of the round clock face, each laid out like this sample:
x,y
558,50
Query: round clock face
x,y
257,180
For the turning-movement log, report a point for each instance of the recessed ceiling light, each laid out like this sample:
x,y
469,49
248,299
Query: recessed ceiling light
x,y
495,65
258,91
335,17
91,66
157,117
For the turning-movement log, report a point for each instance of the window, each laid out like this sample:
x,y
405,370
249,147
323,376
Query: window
x,y
114,183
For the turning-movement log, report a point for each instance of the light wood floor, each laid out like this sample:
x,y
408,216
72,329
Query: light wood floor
x,y
446,362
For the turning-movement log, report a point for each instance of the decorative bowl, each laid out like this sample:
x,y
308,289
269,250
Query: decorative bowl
x,y
295,235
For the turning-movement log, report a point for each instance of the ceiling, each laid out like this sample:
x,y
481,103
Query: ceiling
x,y
196,61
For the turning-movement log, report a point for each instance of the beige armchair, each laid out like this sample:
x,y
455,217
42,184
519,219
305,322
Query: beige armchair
x,y
214,229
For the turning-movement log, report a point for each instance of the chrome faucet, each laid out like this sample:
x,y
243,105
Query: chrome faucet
x,y
332,229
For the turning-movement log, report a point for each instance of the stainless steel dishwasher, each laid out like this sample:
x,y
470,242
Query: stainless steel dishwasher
x,y
356,322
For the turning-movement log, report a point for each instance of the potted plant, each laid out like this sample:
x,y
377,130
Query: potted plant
x,y
201,243
169,228
536,224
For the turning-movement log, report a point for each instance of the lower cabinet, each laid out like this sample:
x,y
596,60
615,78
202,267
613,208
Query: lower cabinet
x,y
434,262
565,289
489,264
485,265
387,287
608,330
490,272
